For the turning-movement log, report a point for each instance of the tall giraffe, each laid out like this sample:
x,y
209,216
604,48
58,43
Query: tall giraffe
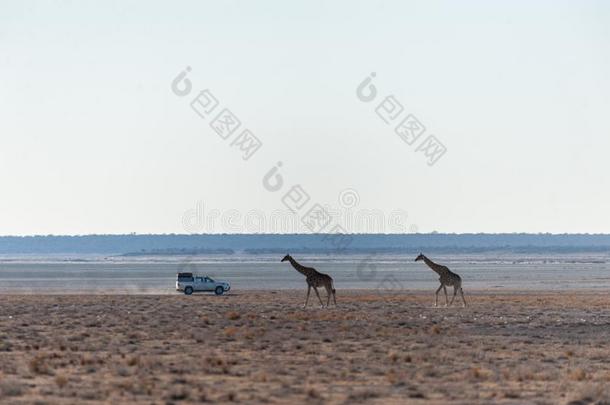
x,y
447,278
314,279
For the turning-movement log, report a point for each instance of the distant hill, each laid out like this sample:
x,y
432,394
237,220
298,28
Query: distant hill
x,y
269,243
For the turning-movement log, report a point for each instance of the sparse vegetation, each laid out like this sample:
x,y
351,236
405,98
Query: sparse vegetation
x,y
247,348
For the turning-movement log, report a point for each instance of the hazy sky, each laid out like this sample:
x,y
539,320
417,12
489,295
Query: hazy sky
x,y
93,140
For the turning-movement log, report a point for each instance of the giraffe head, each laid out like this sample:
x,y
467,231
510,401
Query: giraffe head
x,y
420,257
287,257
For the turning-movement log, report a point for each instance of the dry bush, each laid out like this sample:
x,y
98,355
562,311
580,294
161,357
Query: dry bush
x,y
38,365
125,384
198,337
233,315
479,374
122,372
525,373
10,388
61,380
590,395
250,334
203,396
394,377
217,364
312,393
231,331
261,377
179,394
87,360
578,374
512,394
133,361
362,396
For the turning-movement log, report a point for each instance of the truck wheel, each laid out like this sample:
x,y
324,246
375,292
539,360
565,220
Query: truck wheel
x,y
219,290
188,290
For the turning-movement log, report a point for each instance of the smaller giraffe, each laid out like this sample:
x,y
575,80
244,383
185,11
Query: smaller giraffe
x,y
314,280
447,278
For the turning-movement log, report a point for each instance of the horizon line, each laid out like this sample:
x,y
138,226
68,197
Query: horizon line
x,y
309,234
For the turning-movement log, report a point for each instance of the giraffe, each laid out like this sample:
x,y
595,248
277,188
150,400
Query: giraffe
x,y
314,279
447,278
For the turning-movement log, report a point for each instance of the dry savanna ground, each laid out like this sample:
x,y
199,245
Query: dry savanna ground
x,y
262,347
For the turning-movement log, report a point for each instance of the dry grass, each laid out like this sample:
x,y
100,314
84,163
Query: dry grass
x,y
262,347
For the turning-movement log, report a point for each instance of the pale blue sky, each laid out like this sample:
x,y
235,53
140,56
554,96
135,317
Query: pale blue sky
x,y
92,140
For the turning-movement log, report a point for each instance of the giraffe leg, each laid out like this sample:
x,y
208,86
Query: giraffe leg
x,y
462,294
446,299
455,290
307,299
330,291
436,296
318,294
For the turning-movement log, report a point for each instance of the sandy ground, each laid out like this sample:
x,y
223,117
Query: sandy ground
x,y
509,348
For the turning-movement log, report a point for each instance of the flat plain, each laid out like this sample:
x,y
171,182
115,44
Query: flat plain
x,y
263,347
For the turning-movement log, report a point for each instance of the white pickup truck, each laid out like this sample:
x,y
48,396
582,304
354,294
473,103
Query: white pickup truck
x,y
189,283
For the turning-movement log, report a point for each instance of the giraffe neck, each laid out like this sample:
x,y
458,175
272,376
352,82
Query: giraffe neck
x,y
298,267
435,267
